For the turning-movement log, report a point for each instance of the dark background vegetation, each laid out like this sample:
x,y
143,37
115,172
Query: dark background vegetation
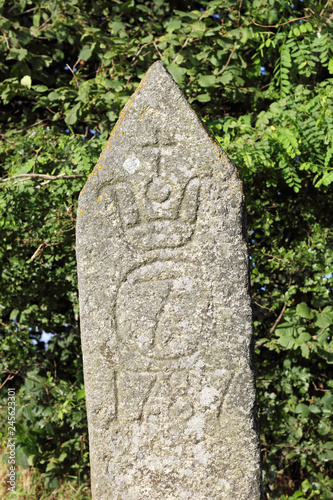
x,y
259,74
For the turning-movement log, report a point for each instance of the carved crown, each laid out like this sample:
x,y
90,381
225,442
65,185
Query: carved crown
x,y
161,213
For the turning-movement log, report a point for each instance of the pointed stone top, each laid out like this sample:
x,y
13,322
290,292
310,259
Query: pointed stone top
x,y
157,90
157,75
157,118
158,66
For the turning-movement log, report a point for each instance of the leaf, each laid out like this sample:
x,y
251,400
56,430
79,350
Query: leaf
x,y
304,337
144,8
117,26
303,311
111,116
286,335
203,98
303,28
71,117
330,66
80,394
172,25
328,455
51,465
302,409
314,409
40,88
36,19
26,81
324,319
323,428
53,96
326,354
22,53
49,428
147,39
35,32
51,481
14,314
31,460
287,342
206,80
127,6
198,29
305,350
177,72
225,78
326,179
62,457
85,53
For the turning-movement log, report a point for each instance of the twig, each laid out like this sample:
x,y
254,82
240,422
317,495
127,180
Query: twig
x,y
51,110
26,177
10,377
7,327
43,26
73,72
276,258
242,88
6,39
263,307
322,12
184,45
140,49
37,123
239,11
203,14
36,156
16,24
278,319
37,251
156,48
282,24
25,12
228,61
316,336
323,390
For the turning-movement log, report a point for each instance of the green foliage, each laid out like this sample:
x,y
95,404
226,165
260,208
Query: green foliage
x,y
30,484
39,294
66,69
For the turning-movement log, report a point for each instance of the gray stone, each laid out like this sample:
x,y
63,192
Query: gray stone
x,y
165,309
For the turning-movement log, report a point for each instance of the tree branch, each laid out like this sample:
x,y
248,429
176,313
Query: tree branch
x,y
322,331
9,377
278,319
228,61
27,177
282,24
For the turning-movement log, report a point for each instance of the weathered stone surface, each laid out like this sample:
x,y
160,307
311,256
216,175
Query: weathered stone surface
x,y
165,309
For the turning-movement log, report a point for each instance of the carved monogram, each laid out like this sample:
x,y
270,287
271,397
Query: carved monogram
x,y
160,307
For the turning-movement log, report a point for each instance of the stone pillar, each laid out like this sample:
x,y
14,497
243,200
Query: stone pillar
x,y
165,309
